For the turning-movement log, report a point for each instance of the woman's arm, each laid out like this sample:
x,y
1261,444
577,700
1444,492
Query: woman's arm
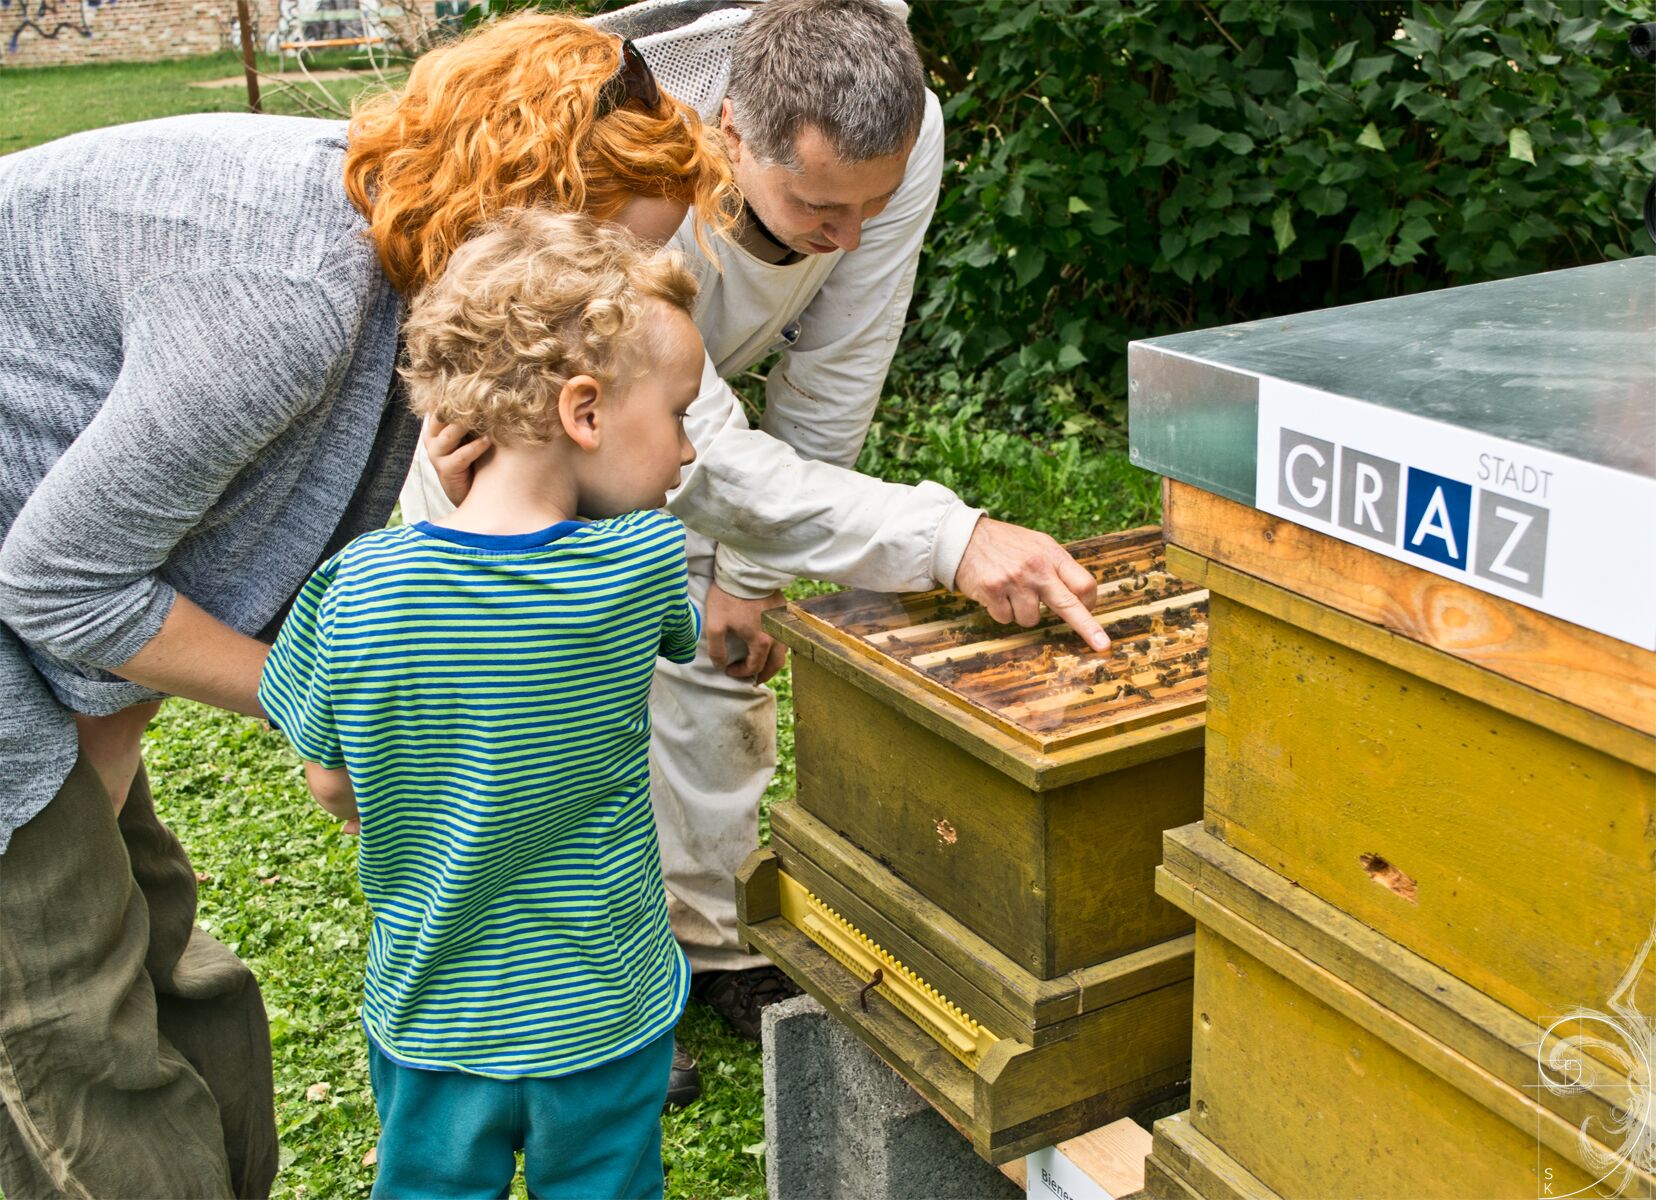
x,y
199,657
216,365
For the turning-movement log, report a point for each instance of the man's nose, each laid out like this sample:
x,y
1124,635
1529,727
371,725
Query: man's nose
x,y
846,237
687,452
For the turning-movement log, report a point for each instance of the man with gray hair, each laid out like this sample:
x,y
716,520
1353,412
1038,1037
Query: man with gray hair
x,y
837,148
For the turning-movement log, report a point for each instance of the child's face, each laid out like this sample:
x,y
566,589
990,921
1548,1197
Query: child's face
x,y
643,447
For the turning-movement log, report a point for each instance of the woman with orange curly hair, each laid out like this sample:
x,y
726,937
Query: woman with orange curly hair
x,y
198,336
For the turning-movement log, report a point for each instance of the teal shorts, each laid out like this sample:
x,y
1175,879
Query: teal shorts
x,y
595,1133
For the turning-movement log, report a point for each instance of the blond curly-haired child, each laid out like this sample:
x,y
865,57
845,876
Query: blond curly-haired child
x,y
476,694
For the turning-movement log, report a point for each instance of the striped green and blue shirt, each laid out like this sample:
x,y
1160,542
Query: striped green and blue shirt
x,y
489,697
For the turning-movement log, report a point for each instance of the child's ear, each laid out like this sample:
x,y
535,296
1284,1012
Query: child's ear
x,y
578,411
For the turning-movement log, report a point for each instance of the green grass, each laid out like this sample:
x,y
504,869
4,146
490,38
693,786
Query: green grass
x,y
43,103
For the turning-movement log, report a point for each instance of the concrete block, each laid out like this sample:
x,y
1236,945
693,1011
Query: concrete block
x,y
841,1125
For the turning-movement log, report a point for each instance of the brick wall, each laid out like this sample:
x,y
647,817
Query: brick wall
x,y
37,33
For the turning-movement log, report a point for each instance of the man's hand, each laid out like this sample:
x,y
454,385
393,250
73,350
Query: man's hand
x,y
727,614
1012,571
452,456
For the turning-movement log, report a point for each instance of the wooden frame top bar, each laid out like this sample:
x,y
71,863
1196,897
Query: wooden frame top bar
x,y
1041,686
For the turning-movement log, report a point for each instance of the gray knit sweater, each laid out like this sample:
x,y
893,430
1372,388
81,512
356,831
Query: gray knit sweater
x,y
196,356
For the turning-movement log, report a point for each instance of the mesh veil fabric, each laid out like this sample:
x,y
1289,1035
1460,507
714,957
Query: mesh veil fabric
x,y
688,43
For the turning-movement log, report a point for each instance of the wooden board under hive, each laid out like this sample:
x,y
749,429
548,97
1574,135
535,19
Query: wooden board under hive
x,y
1012,777
1330,1061
1015,1062
1184,1165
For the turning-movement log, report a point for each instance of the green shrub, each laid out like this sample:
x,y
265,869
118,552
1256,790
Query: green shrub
x,y
1122,170
1073,481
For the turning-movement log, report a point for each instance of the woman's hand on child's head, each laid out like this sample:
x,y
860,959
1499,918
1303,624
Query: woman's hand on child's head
x,y
452,455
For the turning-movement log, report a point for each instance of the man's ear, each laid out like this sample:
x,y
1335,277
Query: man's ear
x,y
727,127
578,411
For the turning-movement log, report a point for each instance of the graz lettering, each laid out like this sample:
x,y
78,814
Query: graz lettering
x,y
1491,534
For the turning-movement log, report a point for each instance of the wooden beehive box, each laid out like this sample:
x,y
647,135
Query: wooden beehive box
x,y
1012,777
1015,1062
1425,881
1331,1061
966,876
1429,785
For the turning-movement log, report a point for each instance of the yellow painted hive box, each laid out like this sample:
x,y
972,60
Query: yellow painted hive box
x,y
1328,1060
1471,779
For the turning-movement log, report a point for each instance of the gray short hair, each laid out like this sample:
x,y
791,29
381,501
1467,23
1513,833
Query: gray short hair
x,y
847,67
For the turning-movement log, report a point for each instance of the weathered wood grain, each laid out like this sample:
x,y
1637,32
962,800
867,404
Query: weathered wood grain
x,y
1021,1098
1600,674
1517,859
1057,880
950,956
1237,896
1184,1165
1040,686
1315,1103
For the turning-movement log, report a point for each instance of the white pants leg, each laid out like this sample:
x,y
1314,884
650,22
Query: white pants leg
x,y
712,753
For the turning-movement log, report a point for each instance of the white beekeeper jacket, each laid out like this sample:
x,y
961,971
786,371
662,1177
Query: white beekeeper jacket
x,y
781,500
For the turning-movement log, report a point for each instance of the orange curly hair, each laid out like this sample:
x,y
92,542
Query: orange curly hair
x,y
503,118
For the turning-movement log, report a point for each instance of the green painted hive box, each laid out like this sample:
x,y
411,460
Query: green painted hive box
x,y
1015,1062
1013,778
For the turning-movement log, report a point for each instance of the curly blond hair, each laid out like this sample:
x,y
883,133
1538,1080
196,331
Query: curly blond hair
x,y
533,300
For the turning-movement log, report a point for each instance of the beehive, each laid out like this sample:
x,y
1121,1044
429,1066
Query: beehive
x,y
1331,1061
1425,879
1012,777
1414,866
978,819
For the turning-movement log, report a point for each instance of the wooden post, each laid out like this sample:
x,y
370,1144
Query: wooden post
x,y
244,15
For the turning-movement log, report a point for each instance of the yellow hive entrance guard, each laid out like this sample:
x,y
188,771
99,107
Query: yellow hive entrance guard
x,y
908,993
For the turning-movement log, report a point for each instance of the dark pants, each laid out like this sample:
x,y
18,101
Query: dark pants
x,y
134,1051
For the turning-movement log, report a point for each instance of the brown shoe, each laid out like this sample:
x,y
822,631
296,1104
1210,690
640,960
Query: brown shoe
x,y
684,1084
739,996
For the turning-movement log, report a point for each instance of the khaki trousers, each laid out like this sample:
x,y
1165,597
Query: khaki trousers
x,y
134,1051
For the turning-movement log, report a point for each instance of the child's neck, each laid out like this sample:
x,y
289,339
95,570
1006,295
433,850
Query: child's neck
x,y
516,489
